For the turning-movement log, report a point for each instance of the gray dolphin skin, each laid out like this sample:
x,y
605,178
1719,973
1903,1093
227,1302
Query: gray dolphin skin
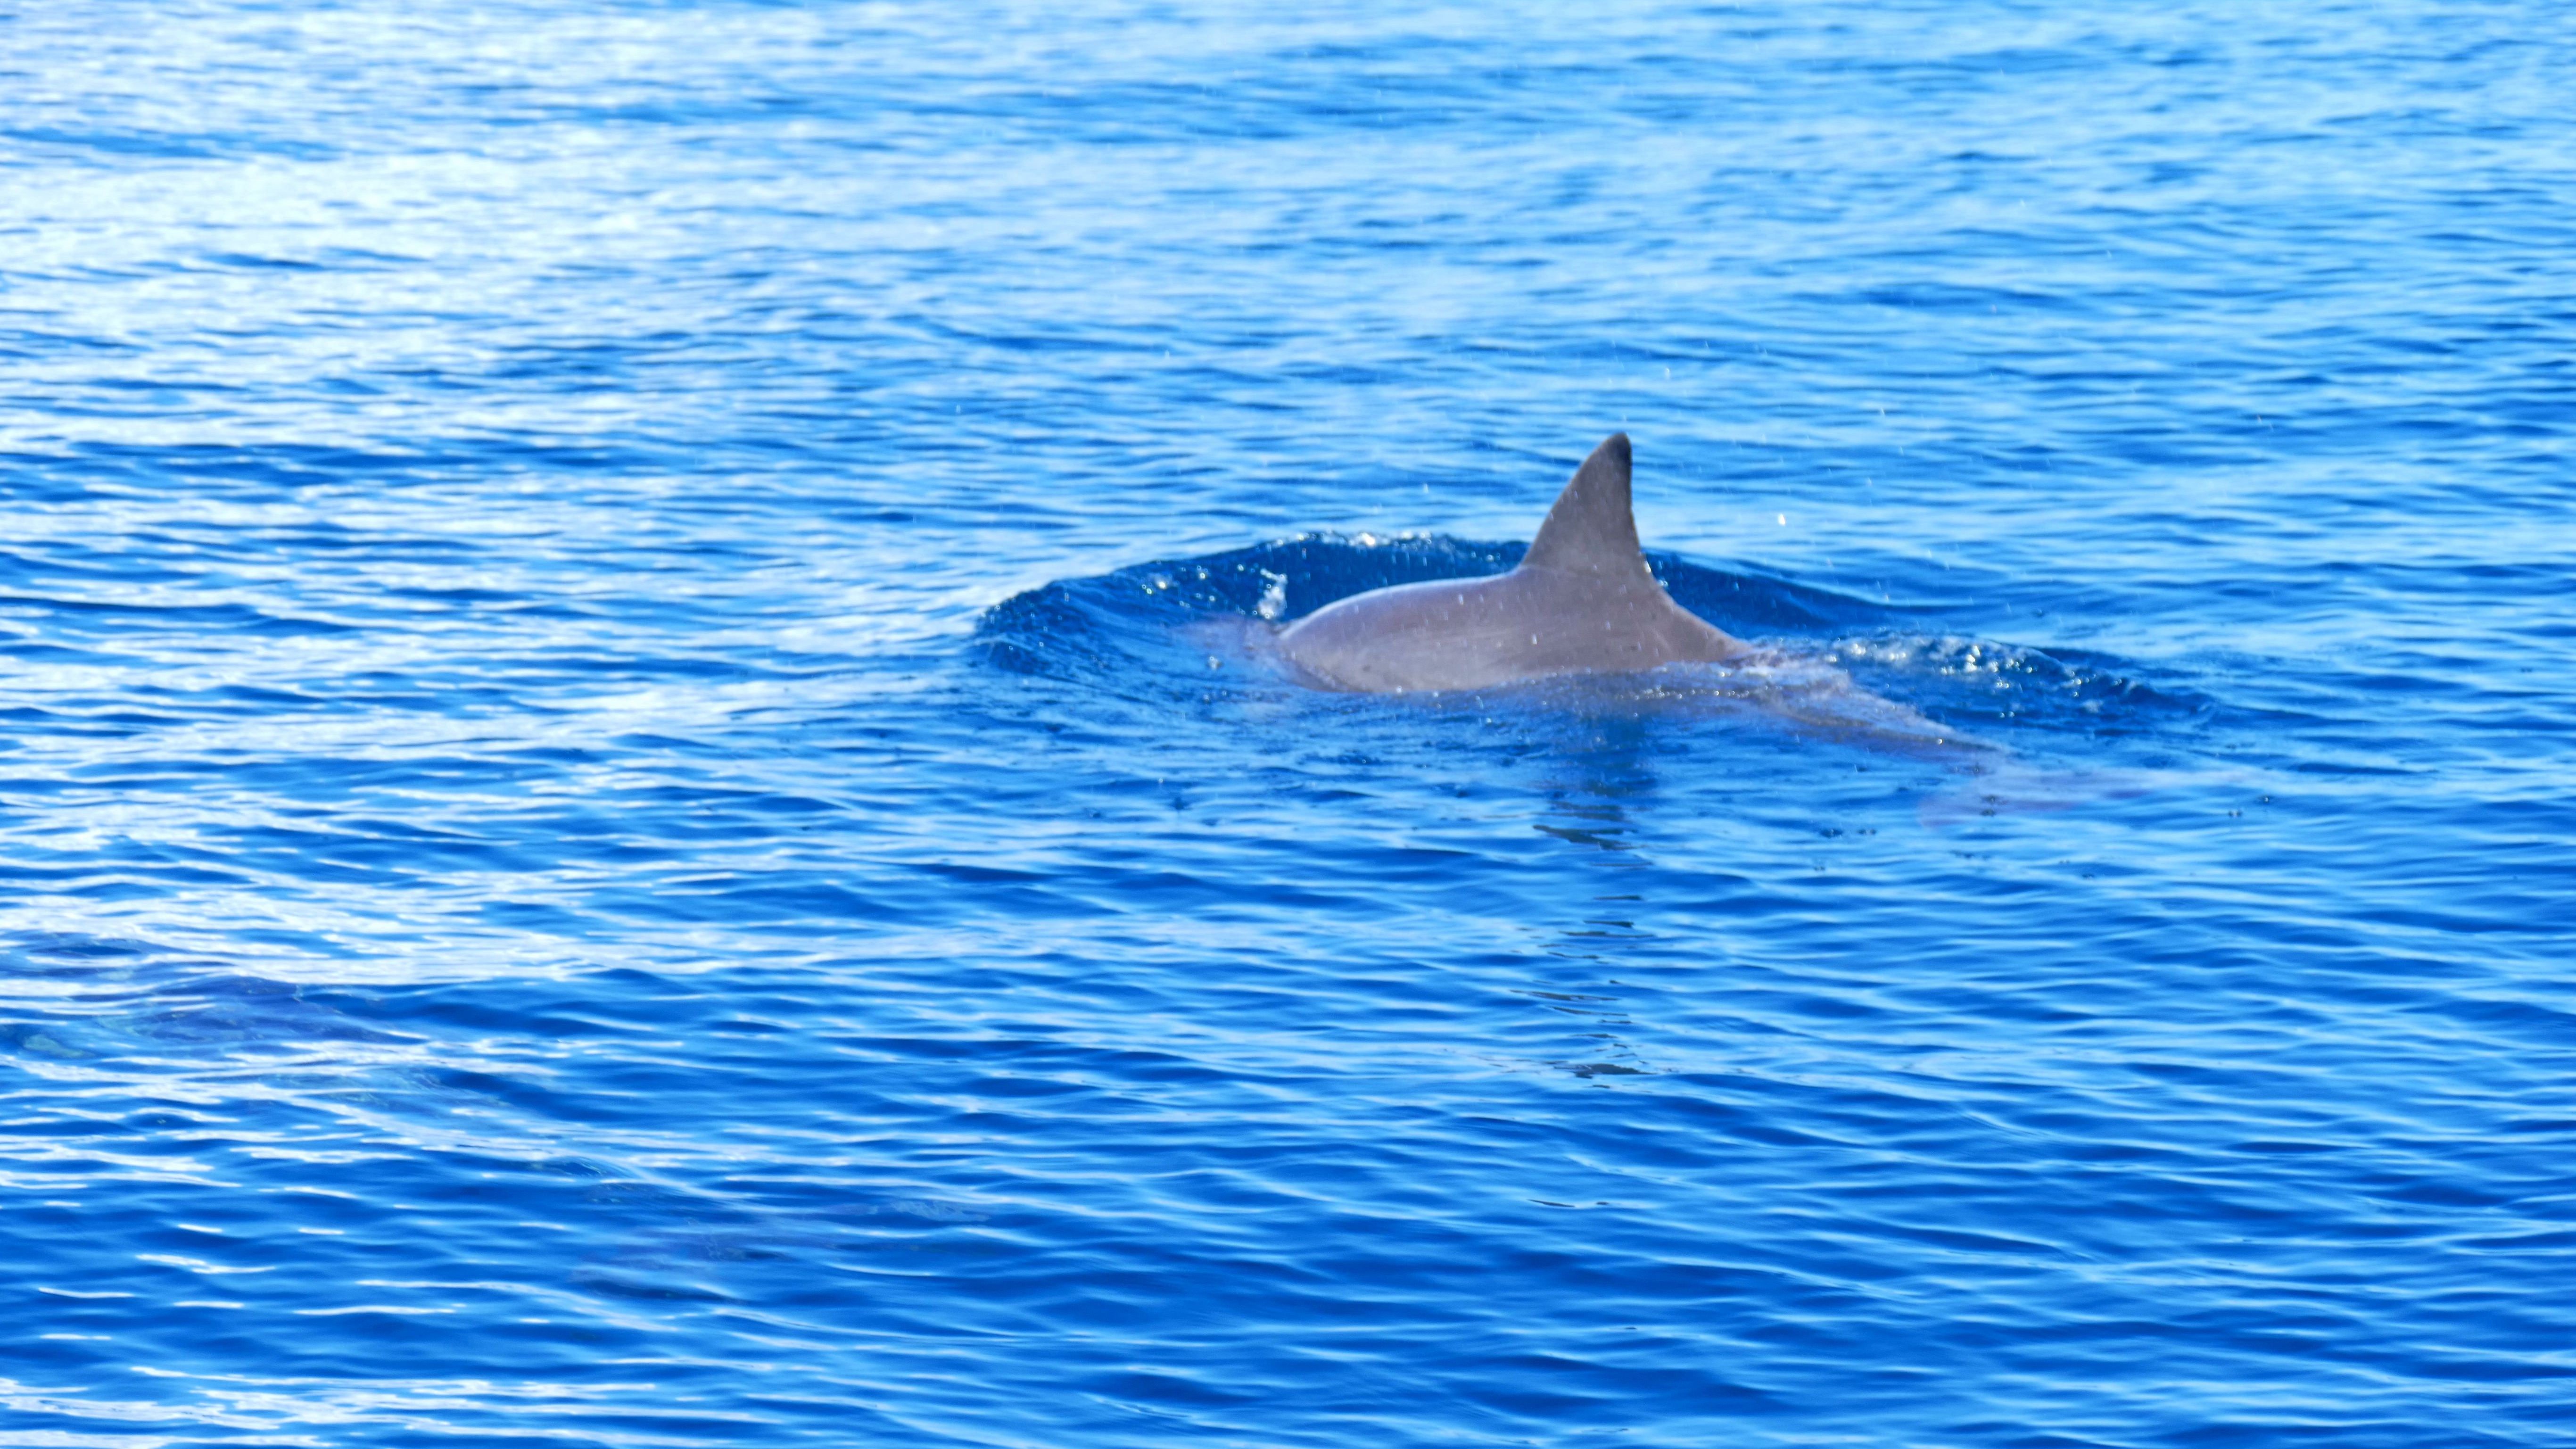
x,y
1582,601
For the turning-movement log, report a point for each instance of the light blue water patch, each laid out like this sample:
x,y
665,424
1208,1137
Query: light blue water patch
x,y
624,816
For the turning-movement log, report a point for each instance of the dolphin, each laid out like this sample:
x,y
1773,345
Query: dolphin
x,y
1582,601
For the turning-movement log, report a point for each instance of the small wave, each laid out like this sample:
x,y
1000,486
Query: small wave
x,y
1980,685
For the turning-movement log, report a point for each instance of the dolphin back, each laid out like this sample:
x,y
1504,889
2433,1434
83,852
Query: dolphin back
x,y
1582,601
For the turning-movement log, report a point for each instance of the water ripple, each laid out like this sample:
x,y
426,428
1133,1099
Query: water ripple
x,y
626,818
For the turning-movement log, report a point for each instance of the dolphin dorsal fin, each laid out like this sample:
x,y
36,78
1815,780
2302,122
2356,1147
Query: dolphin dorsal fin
x,y
1590,530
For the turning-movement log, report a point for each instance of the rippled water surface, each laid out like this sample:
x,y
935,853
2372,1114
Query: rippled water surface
x,y
626,817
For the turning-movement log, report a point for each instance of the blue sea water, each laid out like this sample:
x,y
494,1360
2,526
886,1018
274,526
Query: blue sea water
x,y
616,828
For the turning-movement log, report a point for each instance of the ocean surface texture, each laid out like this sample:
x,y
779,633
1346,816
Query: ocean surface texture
x,y
633,810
